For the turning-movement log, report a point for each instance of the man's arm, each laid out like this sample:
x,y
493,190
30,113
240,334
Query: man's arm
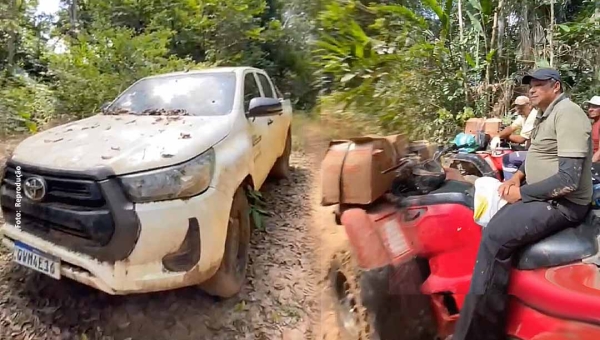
x,y
517,139
506,132
564,182
517,123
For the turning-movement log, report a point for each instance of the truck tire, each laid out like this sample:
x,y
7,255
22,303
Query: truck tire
x,y
231,275
354,323
281,168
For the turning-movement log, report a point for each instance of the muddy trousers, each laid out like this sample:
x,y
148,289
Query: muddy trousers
x,y
484,313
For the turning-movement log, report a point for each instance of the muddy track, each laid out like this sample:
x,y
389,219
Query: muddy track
x,y
283,297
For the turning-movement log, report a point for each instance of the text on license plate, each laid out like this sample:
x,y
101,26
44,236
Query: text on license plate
x,y
36,260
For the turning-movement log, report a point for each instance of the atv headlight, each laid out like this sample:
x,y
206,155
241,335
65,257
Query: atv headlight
x,y
180,181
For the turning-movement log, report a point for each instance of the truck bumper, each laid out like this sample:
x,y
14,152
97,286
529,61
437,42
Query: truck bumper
x,y
181,243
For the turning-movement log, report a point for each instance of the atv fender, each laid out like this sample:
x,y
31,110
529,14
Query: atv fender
x,y
364,238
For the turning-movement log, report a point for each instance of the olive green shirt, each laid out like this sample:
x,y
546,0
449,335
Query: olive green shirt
x,y
563,130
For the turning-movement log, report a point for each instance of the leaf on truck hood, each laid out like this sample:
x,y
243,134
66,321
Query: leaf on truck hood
x,y
53,140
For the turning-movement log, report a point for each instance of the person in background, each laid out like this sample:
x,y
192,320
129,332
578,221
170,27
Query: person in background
x,y
552,191
594,114
524,121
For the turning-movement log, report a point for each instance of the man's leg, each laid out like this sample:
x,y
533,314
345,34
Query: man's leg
x,y
483,316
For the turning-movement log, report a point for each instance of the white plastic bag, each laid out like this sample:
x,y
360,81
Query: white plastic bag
x,y
487,200
495,143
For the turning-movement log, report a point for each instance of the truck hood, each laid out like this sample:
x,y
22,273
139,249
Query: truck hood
x,y
124,143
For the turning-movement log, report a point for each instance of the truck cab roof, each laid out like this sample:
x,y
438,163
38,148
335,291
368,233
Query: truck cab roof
x,y
220,69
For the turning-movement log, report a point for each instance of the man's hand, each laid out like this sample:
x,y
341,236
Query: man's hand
x,y
513,194
505,187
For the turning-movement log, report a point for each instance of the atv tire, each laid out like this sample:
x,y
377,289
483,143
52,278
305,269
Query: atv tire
x,y
354,323
231,275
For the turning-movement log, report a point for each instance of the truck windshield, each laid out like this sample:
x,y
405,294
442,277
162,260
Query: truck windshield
x,y
199,94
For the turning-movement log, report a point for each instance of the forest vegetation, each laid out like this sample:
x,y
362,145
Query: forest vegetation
x,y
419,67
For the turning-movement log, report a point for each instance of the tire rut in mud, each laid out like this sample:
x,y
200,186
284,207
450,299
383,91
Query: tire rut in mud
x,y
279,299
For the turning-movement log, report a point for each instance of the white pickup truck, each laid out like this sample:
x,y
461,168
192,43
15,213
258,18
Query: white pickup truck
x,y
150,194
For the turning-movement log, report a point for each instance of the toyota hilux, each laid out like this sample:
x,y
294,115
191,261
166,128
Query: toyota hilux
x,y
150,193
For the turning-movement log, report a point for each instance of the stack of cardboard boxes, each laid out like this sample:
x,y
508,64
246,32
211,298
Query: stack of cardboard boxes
x,y
357,170
490,126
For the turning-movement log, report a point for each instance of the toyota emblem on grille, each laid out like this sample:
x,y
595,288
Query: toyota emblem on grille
x,y
35,188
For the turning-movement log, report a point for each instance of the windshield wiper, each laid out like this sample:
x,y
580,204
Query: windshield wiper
x,y
164,112
117,111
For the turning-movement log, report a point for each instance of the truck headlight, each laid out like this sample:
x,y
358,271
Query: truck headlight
x,y
180,181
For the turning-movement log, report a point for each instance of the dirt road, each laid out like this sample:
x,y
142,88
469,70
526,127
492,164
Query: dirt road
x,y
283,298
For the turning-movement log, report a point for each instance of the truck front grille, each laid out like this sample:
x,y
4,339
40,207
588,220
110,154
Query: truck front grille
x,y
72,207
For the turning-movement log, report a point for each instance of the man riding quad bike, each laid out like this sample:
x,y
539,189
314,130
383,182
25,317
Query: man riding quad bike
x,y
405,271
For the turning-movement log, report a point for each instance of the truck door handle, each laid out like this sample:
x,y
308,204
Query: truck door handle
x,y
270,121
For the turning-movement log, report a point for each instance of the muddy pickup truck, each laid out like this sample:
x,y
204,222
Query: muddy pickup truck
x,y
150,193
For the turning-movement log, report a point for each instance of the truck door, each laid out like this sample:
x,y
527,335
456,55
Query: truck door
x,y
277,125
258,131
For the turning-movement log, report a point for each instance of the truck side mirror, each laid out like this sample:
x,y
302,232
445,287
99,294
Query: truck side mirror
x,y
262,106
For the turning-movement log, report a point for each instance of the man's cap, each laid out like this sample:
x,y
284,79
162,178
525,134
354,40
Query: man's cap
x,y
594,101
541,74
521,100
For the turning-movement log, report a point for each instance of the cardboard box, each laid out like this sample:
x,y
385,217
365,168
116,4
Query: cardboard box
x,y
425,149
400,144
490,126
352,170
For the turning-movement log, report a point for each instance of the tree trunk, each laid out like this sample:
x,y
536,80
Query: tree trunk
x,y
73,15
551,33
462,51
12,37
492,45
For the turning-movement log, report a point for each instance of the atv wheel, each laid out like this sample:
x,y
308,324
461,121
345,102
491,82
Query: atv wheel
x,y
281,169
353,320
230,276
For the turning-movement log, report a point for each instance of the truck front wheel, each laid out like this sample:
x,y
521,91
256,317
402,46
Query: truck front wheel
x,y
281,169
231,275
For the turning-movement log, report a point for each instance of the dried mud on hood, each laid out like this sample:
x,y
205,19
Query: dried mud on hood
x,y
124,143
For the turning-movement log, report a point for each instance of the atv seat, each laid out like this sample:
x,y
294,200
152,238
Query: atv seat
x,y
476,161
451,192
566,246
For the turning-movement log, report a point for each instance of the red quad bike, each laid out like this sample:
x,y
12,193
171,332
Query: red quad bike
x,y
406,270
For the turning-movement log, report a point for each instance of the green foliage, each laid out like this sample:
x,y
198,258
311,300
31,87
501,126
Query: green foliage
x,y
413,68
104,61
24,104
109,44
395,66
258,208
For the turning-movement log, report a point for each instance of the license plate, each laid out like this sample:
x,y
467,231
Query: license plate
x,y
36,260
